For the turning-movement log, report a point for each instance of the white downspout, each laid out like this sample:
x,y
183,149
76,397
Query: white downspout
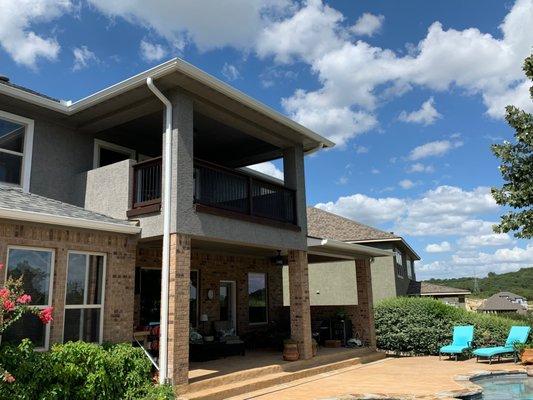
x,y
167,186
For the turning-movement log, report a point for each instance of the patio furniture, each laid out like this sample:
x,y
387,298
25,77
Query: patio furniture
x,y
517,335
462,340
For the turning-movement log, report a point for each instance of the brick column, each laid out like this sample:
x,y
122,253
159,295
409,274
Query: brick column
x,y
300,308
364,311
178,313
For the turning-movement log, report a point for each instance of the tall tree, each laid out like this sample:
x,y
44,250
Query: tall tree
x,y
517,170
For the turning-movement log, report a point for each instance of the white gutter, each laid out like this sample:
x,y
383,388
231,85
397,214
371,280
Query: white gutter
x,y
50,219
167,187
346,248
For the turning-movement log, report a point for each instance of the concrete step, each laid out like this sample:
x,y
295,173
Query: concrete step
x,y
246,381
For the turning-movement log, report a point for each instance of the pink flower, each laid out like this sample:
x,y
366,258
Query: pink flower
x,y
9,305
8,377
4,293
1,266
24,299
46,315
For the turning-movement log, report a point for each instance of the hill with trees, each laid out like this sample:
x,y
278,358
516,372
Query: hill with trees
x,y
519,282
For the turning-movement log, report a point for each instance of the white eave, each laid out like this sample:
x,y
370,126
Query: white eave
x,y
174,65
31,216
330,246
396,239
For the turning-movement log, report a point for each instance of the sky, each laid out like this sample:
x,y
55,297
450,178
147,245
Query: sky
x,y
413,93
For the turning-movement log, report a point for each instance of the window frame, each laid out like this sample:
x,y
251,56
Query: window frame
x,y
102,144
197,297
86,306
27,151
399,266
50,287
266,299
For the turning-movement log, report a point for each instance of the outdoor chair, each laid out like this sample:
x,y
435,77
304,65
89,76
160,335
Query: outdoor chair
x,y
462,340
517,335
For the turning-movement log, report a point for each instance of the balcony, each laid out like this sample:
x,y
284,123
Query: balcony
x,y
218,190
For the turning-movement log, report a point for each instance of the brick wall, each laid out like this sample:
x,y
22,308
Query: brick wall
x,y
120,271
215,267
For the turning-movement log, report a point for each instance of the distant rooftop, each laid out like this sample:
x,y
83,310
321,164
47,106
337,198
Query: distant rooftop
x,y
496,302
427,289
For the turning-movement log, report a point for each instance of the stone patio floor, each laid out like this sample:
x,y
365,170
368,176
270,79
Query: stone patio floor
x,y
407,377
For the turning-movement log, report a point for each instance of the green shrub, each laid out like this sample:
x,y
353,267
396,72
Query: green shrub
x,y
421,326
81,371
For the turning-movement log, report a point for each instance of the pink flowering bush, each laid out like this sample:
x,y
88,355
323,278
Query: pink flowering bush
x,y
14,303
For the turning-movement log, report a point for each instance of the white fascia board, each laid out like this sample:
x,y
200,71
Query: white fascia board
x,y
173,65
42,218
397,239
351,248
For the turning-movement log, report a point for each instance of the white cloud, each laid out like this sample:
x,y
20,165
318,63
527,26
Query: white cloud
x,y
432,149
441,247
419,167
268,168
375,171
151,52
426,115
356,78
361,149
366,209
204,23
83,57
230,72
490,239
16,36
368,24
406,184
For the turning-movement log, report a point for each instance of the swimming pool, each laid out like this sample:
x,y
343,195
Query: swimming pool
x,y
505,387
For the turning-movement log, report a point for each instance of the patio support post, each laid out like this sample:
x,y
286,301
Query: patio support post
x,y
178,316
300,308
364,311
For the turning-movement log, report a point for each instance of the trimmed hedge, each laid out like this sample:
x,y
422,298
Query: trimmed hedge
x,y
81,371
416,326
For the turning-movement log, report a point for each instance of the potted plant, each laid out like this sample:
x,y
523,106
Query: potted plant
x,y
290,350
525,352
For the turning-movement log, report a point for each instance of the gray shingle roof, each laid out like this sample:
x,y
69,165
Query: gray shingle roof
x,y
323,224
498,303
13,85
424,288
15,199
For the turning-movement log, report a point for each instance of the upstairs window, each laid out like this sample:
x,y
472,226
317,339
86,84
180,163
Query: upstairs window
x,y
398,256
15,149
411,269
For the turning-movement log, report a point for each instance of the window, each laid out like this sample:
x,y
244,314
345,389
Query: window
x,y
398,256
84,297
106,153
36,266
411,269
16,137
193,299
257,298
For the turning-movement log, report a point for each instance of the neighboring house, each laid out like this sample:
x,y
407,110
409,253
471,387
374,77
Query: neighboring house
x,y
504,302
391,275
452,296
98,207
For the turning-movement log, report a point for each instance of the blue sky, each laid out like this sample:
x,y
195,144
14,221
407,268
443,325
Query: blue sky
x,y
412,92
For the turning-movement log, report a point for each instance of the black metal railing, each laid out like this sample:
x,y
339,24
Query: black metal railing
x,y
147,183
236,191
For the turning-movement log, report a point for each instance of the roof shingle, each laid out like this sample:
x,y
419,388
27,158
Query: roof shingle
x,y
417,288
323,224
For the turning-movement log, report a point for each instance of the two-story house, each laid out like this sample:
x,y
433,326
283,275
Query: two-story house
x,y
131,207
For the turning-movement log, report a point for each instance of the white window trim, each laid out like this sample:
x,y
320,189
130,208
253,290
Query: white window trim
x,y
233,301
267,295
50,287
28,146
102,144
86,306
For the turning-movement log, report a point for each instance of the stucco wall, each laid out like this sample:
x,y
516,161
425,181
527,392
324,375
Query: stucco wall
x,y
330,284
383,278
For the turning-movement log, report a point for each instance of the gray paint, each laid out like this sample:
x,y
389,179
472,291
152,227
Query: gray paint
x,y
383,278
108,189
330,284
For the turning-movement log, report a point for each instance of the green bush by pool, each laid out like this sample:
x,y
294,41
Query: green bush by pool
x,y
416,326
79,371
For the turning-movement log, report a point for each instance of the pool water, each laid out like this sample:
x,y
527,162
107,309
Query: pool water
x,y
506,387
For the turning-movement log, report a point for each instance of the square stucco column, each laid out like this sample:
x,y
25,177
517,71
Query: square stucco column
x,y
178,313
294,178
364,311
300,308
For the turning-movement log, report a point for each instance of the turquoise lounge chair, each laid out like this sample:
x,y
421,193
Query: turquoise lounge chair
x,y
517,334
462,340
